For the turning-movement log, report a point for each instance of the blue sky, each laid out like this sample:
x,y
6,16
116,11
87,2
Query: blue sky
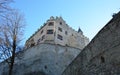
x,y
89,15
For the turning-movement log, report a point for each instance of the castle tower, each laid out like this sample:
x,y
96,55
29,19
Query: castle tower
x,y
80,31
56,31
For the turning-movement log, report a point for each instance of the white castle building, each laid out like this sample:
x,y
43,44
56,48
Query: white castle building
x,y
56,31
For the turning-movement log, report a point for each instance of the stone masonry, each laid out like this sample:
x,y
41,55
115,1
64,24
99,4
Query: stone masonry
x,y
102,55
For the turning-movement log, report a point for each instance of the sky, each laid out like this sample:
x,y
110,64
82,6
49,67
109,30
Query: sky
x,y
89,15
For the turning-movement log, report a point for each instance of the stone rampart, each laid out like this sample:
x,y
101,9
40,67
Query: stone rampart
x,y
102,55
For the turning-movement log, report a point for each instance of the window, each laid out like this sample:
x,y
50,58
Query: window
x,y
60,29
59,37
45,67
50,31
60,23
43,37
102,59
39,40
32,44
51,24
41,31
72,35
66,32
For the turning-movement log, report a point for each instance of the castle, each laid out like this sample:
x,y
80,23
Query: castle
x,y
56,31
100,57
49,50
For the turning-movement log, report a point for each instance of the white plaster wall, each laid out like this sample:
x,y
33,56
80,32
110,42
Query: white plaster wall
x,y
73,38
55,57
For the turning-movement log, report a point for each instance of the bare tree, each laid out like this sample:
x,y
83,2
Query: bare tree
x,y
11,31
4,5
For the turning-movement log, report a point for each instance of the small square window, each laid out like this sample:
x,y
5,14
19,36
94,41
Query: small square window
x,y
41,31
49,31
60,29
60,23
66,32
43,37
39,40
51,24
72,35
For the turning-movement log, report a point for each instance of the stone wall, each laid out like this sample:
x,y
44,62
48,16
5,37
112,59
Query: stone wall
x,y
102,55
44,59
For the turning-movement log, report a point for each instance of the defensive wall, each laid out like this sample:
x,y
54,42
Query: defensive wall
x,y
102,55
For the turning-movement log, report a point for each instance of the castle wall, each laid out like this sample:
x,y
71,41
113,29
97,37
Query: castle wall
x,y
72,38
102,55
48,59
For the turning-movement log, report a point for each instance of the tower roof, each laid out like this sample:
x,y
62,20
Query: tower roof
x,y
79,30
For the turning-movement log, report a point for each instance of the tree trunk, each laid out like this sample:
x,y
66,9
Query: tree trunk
x,y
13,57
